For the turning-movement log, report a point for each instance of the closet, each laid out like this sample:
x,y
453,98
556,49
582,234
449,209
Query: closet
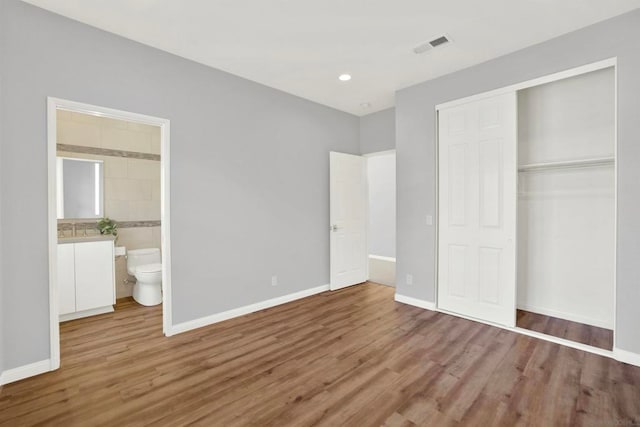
x,y
526,203
566,204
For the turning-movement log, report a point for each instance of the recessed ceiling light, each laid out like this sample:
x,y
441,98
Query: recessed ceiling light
x,y
365,105
344,77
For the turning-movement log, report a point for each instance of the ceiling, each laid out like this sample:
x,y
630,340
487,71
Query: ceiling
x,y
302,46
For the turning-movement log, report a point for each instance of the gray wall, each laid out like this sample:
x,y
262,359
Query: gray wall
x,y
381,170
378,131
249,170
415,121
2,106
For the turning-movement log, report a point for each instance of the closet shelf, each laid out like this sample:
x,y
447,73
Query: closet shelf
x,y
568,164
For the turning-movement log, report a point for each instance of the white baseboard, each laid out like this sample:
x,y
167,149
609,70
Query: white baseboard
x,y
240,311
382,270
567,316
26,371
85,313
427,305
626,357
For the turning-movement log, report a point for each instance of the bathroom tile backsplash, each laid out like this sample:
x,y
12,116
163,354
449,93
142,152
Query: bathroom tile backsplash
x,y
107,152
131,185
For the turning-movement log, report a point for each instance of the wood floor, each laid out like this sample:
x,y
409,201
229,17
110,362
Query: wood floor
x,y
578,332
352,357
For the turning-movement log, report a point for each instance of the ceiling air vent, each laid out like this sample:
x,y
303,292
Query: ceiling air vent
x,y
432,44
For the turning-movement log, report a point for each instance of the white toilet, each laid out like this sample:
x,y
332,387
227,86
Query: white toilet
x,y
146,266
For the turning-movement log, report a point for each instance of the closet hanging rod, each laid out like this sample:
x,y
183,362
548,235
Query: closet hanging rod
x,y
582,163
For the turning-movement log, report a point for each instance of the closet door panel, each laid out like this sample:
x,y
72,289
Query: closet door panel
x,y
457,185
458,196
489,275
477,209
458,271
491,183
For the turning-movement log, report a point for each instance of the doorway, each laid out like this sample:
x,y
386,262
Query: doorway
x,y
381,180
362,218
85,246
566,208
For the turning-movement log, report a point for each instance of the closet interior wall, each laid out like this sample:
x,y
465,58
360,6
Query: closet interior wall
x,y
566,198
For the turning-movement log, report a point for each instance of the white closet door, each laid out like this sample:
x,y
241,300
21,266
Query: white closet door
x,y
477,209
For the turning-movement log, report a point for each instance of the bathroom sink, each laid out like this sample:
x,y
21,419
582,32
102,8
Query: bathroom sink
x,y
80,239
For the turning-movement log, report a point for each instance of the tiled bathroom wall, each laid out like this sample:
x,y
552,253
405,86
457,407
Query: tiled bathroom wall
x,y
131,185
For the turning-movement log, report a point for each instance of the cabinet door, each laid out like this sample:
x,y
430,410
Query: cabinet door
x,y
66,279
94,275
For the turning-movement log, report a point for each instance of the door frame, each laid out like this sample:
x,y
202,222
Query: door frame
x,y
572,72
53,105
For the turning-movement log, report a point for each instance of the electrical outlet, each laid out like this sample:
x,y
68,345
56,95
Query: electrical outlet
x,y
429,219
274,280
409,279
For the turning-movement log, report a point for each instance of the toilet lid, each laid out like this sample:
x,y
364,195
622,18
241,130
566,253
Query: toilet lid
x,y
149,268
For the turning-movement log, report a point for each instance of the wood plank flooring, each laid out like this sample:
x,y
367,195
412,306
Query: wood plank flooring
x,y
352,357
561,328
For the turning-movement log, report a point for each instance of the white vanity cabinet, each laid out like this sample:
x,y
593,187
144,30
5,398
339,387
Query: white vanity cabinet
x,y
66,279
86,284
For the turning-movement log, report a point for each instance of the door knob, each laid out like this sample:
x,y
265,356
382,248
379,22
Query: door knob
x,y
334,227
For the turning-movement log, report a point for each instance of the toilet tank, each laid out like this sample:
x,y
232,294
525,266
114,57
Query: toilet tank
x,y
136,257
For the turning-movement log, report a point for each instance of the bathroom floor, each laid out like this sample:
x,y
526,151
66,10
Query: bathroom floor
x,y
349,357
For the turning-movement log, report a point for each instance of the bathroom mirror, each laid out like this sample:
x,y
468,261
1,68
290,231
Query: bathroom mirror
x,y
80,188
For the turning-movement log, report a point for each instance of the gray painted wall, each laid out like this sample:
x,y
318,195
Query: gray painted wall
x,y
2,105
415,121
249,170
381,170
378,131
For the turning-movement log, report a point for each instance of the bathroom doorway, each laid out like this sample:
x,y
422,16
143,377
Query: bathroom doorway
x,y
107,169
381,180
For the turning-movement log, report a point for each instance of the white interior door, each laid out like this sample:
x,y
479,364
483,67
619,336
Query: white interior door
x,y
477,209
348,217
